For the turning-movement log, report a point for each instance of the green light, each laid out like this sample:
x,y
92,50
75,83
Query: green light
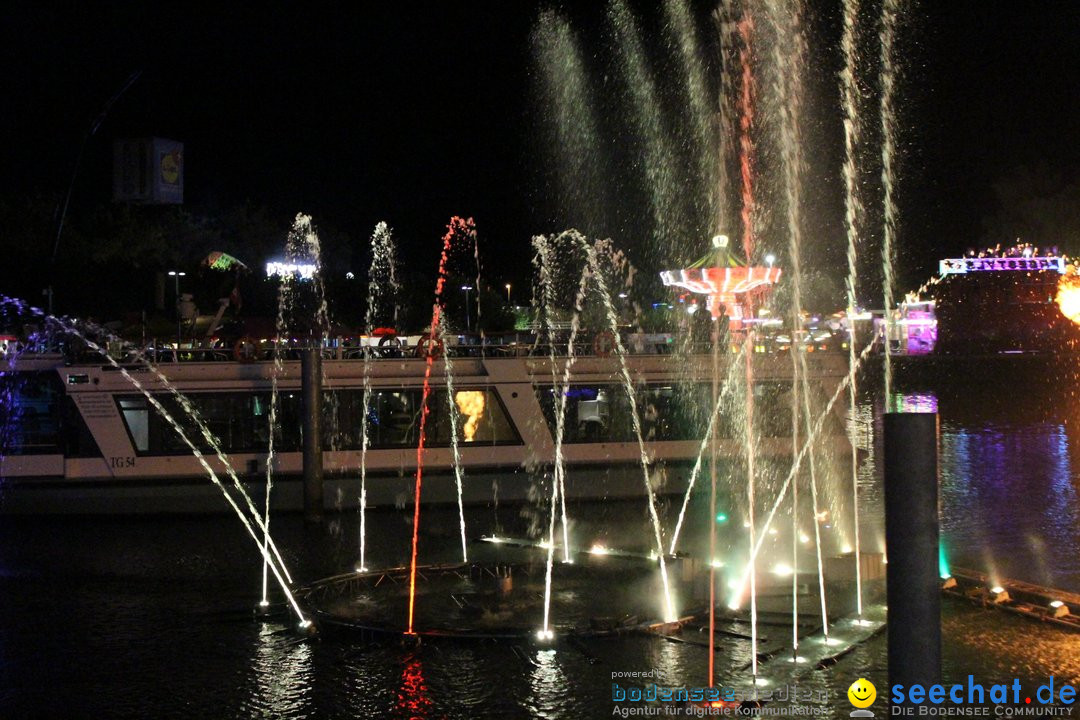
x,y
721,518
943,564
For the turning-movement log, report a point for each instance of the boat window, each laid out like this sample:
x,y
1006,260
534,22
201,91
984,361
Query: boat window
x,y
30,413
393,417
602,413
241,421
136,412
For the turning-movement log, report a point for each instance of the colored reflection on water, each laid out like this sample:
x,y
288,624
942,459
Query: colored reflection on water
x,y
1010,472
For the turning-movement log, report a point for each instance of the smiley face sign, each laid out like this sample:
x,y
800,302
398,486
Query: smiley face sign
x,y
862,693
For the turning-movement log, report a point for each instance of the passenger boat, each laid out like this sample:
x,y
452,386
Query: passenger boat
x,y
79,437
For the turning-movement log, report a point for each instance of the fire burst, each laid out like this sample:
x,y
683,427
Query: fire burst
x,y
471,403
1068,296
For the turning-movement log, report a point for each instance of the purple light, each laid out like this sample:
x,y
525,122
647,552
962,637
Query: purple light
x,y
960,266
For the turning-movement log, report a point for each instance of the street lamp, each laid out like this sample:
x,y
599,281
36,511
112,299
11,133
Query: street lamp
x,y
507,293
468,323
177,275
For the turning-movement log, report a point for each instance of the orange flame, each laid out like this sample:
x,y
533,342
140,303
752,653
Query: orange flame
x,y
471,403
1068,296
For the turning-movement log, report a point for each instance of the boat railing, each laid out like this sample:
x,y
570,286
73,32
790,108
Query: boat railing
x,y
246,350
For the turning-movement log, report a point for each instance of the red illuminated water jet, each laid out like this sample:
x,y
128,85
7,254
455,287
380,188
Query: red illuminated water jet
x,y
456,228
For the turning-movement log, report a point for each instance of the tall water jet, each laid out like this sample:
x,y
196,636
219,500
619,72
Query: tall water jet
x,y
679,22
890,10
724,18
658,154
301,251
746,157
382,288
789,51
569,109
544,262
852,218
635,418
452,410
457,227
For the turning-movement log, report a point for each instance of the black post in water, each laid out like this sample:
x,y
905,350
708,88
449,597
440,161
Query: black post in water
x,y
911,541
311,390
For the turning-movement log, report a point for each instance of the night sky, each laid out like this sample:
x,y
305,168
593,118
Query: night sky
x,y
412,112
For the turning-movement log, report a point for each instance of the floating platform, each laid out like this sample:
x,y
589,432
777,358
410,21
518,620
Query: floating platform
x,y
492,601
1035,602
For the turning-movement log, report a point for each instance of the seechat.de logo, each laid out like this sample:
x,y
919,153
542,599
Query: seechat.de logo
x,y
862,694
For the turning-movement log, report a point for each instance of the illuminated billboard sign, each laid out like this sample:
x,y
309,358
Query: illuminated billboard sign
x,y
960,266
148,171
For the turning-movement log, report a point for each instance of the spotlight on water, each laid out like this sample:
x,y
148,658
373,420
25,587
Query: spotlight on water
x,y
943,564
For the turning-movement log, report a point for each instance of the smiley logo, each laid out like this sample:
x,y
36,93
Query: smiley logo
x,y
862,693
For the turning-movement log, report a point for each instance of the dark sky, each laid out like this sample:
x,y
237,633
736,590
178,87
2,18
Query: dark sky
x,y
412,112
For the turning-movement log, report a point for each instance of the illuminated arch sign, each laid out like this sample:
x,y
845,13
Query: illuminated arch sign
x,y
960,266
